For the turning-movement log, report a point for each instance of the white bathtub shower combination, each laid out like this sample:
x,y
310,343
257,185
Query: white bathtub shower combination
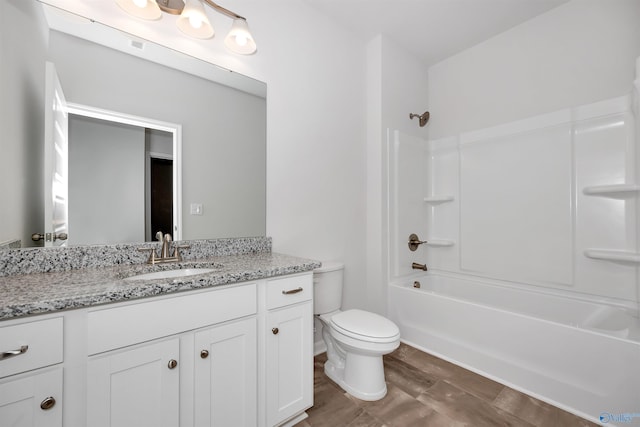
x,y
533,247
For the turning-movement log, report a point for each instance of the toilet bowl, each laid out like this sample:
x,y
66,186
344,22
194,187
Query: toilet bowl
x,y
356,340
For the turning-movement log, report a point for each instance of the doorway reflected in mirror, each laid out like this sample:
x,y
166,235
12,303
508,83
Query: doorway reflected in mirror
x,y
120,180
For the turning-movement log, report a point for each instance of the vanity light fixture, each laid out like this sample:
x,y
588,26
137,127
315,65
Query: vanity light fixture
x,y
193,20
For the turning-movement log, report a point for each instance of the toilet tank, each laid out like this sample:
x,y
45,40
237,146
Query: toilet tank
x,y
327,287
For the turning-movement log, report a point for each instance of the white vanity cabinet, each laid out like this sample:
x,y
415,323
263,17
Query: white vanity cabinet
x,y
32,400
226,375
288,348
140,385
236,355
136,371
135,387
31,373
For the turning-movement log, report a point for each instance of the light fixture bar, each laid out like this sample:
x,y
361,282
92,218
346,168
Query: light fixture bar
x,y
224,11
172,7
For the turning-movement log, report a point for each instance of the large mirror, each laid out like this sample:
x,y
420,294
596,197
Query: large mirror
x,y
222,128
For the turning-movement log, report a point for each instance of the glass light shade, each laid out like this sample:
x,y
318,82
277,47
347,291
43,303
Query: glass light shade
x,y
240,39
149,9
194,22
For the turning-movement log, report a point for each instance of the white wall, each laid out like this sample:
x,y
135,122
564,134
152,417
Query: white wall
x,y
396,86
21,119
316,148
580,52
404,89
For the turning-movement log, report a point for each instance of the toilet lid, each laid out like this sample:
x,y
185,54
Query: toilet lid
x,y
365,324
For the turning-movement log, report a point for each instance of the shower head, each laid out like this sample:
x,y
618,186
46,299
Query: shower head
x,y
424,118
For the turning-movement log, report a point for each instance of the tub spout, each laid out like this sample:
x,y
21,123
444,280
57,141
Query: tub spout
x,y
417,266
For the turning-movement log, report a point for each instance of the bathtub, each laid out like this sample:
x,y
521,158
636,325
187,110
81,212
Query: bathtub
x,y
575,354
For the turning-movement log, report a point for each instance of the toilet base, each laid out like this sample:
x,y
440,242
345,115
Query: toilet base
x,y
364,376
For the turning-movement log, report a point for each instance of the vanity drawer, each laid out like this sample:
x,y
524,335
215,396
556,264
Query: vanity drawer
x,y
30,345
289,290
121,326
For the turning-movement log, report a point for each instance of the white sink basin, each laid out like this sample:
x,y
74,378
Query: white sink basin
x,y
171,274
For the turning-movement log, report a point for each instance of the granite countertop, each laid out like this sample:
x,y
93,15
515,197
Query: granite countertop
x,y
40,293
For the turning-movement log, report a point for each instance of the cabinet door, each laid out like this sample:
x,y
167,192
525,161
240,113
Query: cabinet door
x,y
225,375
289,364
27,400
137,387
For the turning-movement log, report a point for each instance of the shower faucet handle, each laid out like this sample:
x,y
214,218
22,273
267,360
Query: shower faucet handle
x,y
414,242
422,118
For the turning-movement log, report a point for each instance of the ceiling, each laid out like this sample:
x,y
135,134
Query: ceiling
x,y
433,29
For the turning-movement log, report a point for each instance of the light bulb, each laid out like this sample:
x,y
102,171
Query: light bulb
x,y
241,40
143,9
195,21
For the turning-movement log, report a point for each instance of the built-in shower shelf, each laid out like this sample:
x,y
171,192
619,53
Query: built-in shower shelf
x,y
438,199
440,242
609,255
617,191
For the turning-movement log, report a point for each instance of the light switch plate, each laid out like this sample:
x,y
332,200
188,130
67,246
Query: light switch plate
x,y
196,208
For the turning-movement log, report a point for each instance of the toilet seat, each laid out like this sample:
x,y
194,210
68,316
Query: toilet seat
x,y
365,326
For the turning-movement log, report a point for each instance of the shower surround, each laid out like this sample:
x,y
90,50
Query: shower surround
x,y
533,250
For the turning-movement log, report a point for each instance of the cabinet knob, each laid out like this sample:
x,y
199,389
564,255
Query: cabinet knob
x,y
204,354
275,331
48,403
172,363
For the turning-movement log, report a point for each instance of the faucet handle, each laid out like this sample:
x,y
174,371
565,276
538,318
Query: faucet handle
x,y
177,253
152,254
414,242
159,236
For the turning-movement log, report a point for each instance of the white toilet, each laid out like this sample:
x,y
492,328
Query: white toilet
x,y
355,339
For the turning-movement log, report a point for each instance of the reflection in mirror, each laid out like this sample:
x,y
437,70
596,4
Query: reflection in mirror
x,y
109,188
223,128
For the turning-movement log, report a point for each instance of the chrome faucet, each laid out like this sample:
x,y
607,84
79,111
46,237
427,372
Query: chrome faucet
x,y
417,266
165,251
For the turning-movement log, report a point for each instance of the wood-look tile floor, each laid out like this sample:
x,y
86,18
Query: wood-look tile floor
x,y
423,390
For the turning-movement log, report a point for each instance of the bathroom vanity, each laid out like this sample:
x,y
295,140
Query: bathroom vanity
x,y
229,347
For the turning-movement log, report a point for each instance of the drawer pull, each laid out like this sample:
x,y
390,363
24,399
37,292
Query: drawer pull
x,y
48,403
292,291
14,353
172,363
